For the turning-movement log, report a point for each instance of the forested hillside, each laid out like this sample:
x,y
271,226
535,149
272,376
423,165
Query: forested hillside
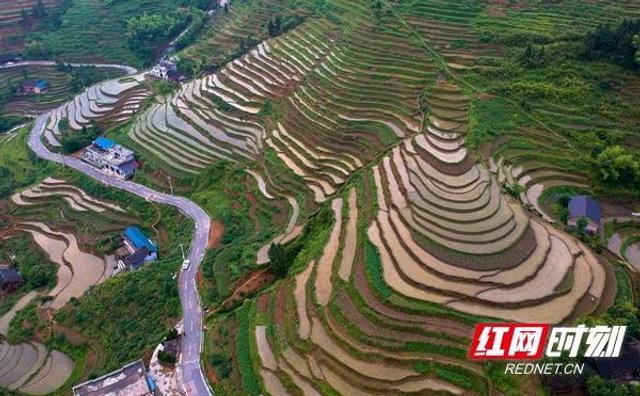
x,y
129,32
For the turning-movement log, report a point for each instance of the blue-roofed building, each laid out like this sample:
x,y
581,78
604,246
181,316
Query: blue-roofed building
x,y
37,87
103,143
141,249
112,158
583,206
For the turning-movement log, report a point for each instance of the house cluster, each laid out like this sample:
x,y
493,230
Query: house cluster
x,y
33,87
137,250
111,158
130,380
167,70
10,280
583,208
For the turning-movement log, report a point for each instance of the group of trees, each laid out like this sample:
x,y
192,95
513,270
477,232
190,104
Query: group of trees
x,y
618,166
377,8
8,122
82,76
73,142
279,24
36,270
198,22
532,56
147,32
37,11
7,181
281,258
620,45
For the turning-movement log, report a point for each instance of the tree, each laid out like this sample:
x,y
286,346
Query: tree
x,y
581,225
172,334
278,260
39,10
532,56
7,182
166,357
376,8
25,18
617,45
146,32
617,165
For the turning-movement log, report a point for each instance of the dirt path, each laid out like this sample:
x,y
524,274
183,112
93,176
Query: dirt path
x,y
7,317
255,282
323,285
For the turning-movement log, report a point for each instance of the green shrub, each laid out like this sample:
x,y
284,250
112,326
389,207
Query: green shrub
x,y
250,383
374,270
222,365
166,358
74,142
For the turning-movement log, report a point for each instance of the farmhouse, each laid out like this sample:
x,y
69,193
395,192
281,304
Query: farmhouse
x,y
111,157
130,380
139,249
583,206
167,70
34,87
10,280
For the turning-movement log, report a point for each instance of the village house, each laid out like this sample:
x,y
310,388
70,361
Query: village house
x,y
130,380
33,87
111,158
138,250
583,206
10,279
167,70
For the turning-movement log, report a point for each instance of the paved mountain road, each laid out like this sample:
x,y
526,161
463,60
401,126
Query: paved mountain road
x,y
124,68
192,376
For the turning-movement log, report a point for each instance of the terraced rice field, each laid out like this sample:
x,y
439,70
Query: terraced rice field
x,y
109,103
241,21
11,10
59,90
442,233
623,243
77,270
370,126
364,123
29,367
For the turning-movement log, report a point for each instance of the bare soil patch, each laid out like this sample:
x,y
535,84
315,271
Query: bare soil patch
x,y
216,232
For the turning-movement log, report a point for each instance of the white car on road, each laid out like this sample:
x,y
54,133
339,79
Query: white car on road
x,y
185,264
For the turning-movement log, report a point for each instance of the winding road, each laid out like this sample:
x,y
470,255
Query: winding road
x,y
124,68
193,379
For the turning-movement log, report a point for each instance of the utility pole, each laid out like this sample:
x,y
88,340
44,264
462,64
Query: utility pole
x,y
170,185
182,249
